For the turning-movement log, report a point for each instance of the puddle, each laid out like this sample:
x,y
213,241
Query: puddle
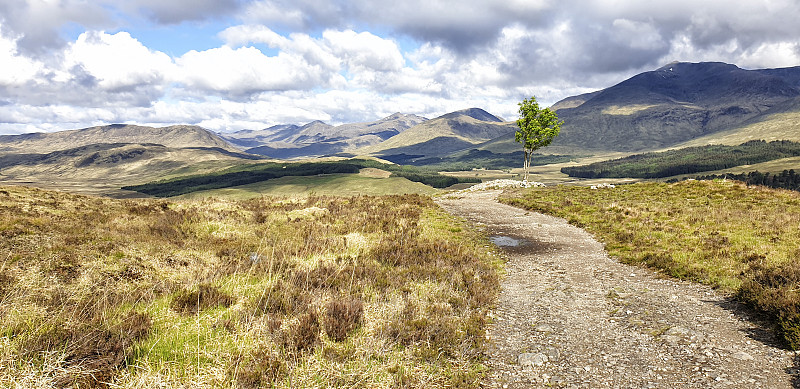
x,y
505,241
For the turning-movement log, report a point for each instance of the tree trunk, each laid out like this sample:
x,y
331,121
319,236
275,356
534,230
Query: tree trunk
x,y
526,164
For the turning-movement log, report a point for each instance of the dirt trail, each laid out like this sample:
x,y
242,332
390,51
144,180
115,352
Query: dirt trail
x,y
570,316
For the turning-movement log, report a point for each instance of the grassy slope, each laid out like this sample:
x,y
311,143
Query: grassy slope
x,y
742,240
427,131
362,291
778,126
66,173
332,185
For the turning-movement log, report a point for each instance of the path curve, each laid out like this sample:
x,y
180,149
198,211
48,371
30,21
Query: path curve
x,y
568,315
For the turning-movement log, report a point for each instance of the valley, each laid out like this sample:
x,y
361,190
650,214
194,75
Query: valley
x,y
347,255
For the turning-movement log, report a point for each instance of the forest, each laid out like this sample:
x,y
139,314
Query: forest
x,y
475,159
252,173
788,179
687,161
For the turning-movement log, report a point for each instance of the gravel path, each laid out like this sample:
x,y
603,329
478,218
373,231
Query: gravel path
x,y
570,316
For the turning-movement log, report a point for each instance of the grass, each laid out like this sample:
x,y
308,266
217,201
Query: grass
x,y
266,292
331,185
776,126
742,240
246,174
687,160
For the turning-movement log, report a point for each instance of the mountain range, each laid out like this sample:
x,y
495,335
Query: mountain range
x,y
320,139
677,105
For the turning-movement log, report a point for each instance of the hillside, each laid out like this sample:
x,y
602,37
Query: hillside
x,y
178,136
676,103
445,134
320,139
104,168
782,122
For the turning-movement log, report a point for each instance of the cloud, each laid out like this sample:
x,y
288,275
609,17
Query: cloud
x,y
37,24
118,61
246,70
353,60
177,11
17,69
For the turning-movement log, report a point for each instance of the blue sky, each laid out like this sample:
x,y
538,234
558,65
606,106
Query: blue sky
x,y
248,64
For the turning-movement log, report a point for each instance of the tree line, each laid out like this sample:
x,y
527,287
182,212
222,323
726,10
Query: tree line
x,y
788,179
252,173
687,161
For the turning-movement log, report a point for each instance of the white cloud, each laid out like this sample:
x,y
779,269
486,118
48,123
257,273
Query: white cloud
x,y
353,60
364,50
246,70
17,69
118,61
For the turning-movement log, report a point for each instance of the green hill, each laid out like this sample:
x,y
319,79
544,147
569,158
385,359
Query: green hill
x,y
445,134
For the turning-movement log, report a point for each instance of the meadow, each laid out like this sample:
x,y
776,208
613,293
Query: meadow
x,y
215,293
737,238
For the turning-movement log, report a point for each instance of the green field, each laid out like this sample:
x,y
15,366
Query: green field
x,y
740,239
329,185
255,173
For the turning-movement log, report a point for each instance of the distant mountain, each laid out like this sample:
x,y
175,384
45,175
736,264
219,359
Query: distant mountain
x,y
321,139
447,133
173,136
246,139
673,104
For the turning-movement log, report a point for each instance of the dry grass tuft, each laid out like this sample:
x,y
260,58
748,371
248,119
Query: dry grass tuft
x,y
342,317
205,297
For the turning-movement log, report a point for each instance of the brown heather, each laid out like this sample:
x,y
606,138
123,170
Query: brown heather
x,y
740,239
374,292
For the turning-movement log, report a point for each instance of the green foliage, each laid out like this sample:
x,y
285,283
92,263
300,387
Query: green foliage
x,y
435,180
686,161
722,233
475,159
537,128
787,179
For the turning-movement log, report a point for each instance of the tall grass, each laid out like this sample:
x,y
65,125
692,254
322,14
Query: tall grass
x,y
740,239
269,292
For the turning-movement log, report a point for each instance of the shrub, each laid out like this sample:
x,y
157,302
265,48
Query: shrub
x,y
303,335
342,316
205,297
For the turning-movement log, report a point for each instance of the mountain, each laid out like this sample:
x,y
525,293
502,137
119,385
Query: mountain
x,y
104,168
321,139
673,104
246,139
173,136
781,122
447,133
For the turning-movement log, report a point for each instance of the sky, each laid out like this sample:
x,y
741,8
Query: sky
x,y
228,65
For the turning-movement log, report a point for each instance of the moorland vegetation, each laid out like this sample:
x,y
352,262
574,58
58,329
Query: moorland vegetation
x,y
738,238
686,160
269,292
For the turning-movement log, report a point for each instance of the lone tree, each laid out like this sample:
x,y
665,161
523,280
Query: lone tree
x,y
537,128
